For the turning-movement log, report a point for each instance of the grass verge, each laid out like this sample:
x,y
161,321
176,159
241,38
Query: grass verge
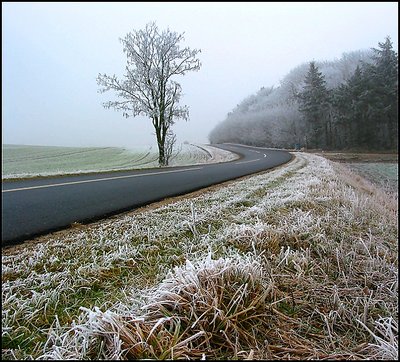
x,y
297,263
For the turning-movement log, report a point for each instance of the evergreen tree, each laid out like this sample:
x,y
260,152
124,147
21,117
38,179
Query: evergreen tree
x,y
341,105
315,106
366,106
351,108
383,77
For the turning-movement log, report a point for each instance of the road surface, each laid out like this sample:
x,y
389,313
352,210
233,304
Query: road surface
x,y
36,207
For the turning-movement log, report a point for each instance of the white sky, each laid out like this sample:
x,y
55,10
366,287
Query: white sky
x,y
53,52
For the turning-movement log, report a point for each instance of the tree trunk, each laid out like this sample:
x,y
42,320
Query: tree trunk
x,y
161,154
161,148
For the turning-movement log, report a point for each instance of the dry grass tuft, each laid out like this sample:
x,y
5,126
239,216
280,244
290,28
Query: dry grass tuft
x,y
223,302
214,309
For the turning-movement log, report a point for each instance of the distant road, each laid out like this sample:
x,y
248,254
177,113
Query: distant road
x,y
38,206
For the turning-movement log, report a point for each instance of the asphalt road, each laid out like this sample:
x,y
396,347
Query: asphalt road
x,y
38,206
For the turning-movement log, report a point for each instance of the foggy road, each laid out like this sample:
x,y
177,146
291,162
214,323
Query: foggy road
x,y
38,206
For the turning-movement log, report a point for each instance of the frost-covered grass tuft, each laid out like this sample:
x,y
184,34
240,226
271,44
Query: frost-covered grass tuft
x,y
212,308
297,263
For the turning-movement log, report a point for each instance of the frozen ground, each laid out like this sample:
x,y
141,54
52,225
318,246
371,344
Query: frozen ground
x,y
296,263
384,174
21,161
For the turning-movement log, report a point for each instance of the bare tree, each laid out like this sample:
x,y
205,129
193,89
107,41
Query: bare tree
x,y
153,59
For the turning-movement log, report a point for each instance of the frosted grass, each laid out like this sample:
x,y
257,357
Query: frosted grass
x,y
296,263
31,161
385,174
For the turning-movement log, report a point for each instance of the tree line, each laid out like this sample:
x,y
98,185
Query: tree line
x,y
351,103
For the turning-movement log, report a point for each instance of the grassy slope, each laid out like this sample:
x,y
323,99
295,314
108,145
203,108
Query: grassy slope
x,y
299,262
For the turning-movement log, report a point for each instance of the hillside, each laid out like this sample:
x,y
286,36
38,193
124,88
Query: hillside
x,y
349,103
271,116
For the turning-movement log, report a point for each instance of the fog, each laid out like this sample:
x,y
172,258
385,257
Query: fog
x,y
53,52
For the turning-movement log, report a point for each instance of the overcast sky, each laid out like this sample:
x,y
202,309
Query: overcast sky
x,y
53,52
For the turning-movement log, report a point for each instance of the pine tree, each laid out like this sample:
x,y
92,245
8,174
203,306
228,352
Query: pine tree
x,y
351,108
343,134
366,106
383,76
315,105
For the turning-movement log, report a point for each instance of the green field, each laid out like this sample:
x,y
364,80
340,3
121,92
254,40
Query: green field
x,y
21,161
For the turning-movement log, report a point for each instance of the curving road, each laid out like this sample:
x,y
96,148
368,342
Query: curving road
x,y
38,206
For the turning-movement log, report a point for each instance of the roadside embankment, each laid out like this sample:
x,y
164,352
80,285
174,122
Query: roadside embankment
x,y
300,262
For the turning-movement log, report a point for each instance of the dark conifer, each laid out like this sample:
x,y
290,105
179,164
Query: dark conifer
x,y
314,105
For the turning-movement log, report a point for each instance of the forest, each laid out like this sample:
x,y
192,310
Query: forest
x,y
349,103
